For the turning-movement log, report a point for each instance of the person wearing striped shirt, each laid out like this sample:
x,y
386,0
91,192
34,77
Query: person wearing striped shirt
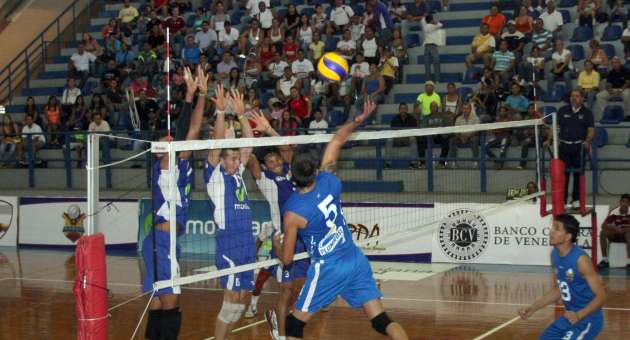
x,y
542,38
503,61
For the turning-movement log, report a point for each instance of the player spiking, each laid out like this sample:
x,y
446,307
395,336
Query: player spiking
x,y
235,243
338,267
164,313
275,184
578,285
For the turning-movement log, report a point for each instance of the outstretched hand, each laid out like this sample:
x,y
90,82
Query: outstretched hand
x,y
191,82
238,104
202,80
368,107
221,98
262,124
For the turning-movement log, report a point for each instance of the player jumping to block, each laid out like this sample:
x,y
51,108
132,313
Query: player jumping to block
x,y
275,184
338,267
578,284
164,313
232,214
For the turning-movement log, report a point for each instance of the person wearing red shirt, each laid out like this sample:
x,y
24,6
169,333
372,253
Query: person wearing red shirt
x,y
177,24
289,49
161,5
288,124
495,20
616,228
299,106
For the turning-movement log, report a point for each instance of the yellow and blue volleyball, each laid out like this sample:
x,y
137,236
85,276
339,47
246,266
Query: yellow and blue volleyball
x,y
332,67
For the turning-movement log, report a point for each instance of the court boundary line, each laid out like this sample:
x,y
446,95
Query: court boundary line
x,y
236,330
498,328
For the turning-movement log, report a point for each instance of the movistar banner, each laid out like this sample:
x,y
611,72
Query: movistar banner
x,y
198,236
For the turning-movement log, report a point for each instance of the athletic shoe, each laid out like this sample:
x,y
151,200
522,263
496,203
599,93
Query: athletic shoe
x,y
272,321
575,205
251,311
603,265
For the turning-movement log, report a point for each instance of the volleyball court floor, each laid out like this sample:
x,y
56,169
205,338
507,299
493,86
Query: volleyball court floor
x,y
431,301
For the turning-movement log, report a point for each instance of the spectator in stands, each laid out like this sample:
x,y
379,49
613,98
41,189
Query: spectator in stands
x,y
125,56
156,38
276,34
482,46
417,11
503,62
319,18
225,66
276,68
97,103
587,10
303,69
616,228
346,47
206,39
30,108
598,57
534,63
472,138
397,11
284,85
340,15
8,139
434,37
357,28
403,120
69,97
316,48
99,124
218,20
252,8
625,39
389,68
515,40
436,119
252,70
265,16
369,46
91,44
485,102
146,63
53,116
289,49
152,126
561,66
228,38
177,25
318,125
291,20
33,131
400,50
452,101
200,16
588,82
115,102
422,106
499,138
542,38
524,22
358,71
110,28
79,66
617,85
235,81
144,105
516,104
288,124
552,20
576,133
382,21
495,20
191,52
251,38
527,137
373,86
128,14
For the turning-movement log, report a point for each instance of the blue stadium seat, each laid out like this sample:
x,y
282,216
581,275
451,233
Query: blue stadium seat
x,y
412,40
582,34
612,33
601,137
190,22
435,6
577,52
472,76
331,44
309,11
415,28
358,9
566,16
336,118
275,3
556,95
613,114
609,49
298,2
464,92
567,3
236,17
282,12
264,99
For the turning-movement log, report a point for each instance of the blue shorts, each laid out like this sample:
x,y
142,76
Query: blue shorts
x,y
347,274
587,328
162,242
233,252
294,271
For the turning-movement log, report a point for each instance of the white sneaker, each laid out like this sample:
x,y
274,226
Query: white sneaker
x,y
272,321
575,204
251,311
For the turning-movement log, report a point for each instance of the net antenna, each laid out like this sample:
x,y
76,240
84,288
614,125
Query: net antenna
x,y
133,110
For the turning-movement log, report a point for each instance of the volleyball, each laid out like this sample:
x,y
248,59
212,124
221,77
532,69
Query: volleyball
x,y
333,67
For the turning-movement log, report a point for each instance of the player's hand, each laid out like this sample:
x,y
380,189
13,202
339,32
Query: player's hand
x,y
525,312
368,107
238,104
202,80
191,82
572,317
262,124
277,241
221,97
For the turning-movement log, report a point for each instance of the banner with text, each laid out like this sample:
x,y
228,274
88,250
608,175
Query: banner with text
x,y
61,221
8,221
513,235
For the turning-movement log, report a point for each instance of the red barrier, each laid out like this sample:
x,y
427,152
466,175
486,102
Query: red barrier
x,y
90,288
557,186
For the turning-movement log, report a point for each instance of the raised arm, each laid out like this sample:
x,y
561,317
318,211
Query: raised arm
x,y
331,155
238,106
220,101
264,127
194,127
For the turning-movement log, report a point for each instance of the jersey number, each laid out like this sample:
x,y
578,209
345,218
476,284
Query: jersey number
x,y
564,290
330,212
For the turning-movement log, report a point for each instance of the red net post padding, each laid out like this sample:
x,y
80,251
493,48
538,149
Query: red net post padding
x,y
558,179
90,288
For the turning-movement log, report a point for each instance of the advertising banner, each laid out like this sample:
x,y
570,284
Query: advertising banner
x,y
61,221
513,235
8,221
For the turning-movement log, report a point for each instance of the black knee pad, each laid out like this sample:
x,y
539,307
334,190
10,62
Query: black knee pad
x,y
294,327
380,323
153,325
171,323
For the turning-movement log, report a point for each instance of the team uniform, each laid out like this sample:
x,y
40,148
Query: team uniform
x,y
160,191
338,267
576,294
277,189
235,243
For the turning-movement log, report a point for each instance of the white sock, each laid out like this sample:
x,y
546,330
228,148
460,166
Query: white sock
x,y
605,258
255,300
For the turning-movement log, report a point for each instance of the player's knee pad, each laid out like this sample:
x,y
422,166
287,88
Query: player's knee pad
x,y
294,327
171,323
380,323
153,330
231,312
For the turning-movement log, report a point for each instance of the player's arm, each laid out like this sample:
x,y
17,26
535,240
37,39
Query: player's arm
x,y
286,249
220,101
550,297
264,127
194,124
595,283
238,106
253,165
331,155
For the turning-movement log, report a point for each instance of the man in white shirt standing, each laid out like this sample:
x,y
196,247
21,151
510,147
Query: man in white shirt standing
x,y
206,38
434,37
252,8
38,140
264,16
552,20
340,15
79,66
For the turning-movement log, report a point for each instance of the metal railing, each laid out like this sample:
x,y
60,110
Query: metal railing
x,y
19,71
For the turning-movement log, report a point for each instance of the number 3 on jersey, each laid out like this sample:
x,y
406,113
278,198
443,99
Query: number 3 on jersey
x,y
330,212
564,290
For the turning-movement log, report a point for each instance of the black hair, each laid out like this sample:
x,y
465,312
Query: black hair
x,y
570,224
224,152
429,18
625,197
303,168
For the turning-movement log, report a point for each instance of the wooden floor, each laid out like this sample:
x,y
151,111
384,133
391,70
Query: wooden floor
x,y
462,302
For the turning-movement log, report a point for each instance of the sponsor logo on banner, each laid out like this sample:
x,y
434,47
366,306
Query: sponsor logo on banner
x,y
73,220
6,217
464,236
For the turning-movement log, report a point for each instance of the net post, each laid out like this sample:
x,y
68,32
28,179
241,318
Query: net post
x,y
92,182
172,205
554,131
594,236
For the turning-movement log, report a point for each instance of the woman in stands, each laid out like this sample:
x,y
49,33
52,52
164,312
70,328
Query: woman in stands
x,y
30,108
524,22
53,113
8,139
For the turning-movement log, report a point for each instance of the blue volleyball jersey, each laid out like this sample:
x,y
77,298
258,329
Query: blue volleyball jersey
x,y
575,291
326,232
277,189
160,191
232,213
